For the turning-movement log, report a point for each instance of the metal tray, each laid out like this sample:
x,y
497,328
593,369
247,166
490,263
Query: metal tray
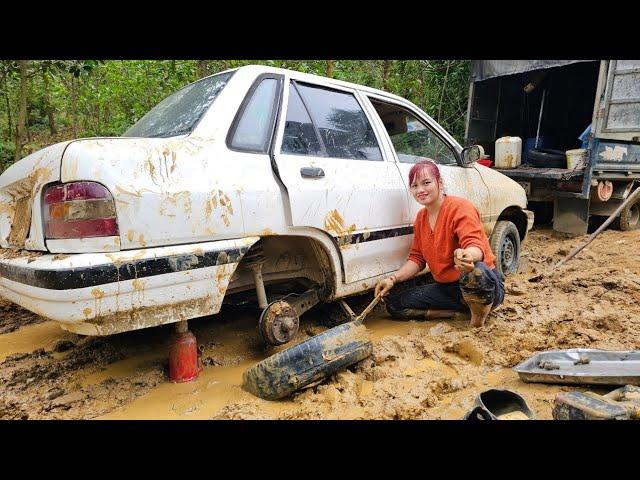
x,y
582,366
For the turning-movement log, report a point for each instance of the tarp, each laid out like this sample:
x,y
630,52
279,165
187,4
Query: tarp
x,y
484,69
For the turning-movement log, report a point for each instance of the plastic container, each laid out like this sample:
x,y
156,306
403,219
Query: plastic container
x,y
500,405
508,152
577,158
487,162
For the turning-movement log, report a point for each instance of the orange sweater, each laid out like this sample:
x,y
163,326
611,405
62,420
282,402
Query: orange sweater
x,y
458,226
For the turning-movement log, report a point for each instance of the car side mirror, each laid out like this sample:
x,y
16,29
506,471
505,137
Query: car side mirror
x,y
472,154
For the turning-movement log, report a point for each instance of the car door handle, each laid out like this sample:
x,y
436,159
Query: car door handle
x,y
311,172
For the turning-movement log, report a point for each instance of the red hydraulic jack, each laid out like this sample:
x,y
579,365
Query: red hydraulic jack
x,y
183,355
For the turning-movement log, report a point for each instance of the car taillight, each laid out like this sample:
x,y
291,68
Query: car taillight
x,y
79,210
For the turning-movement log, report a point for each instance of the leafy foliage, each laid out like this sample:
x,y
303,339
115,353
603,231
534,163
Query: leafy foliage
x,y
104,98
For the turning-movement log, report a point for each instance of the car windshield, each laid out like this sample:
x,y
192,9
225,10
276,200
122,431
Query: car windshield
x,y
178,113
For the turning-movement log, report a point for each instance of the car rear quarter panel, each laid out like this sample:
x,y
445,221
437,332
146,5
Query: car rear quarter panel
x,y
26,179
166,192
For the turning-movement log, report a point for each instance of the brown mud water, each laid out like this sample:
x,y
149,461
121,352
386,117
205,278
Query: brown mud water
x,y
418,370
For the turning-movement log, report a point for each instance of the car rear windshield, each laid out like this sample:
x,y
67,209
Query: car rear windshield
x,y
178,113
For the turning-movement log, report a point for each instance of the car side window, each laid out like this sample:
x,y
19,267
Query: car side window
x,y
254,126
299,133
341,122
411,138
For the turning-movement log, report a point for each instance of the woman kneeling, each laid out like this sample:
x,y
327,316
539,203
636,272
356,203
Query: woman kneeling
x,y
450,239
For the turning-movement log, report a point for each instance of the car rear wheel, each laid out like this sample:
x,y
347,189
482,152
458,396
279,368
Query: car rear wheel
x,y
314,359
505,245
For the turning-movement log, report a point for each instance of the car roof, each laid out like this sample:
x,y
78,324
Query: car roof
x,y
318,79
325,81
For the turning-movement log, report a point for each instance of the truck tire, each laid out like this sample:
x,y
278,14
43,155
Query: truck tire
x,y
630,217
547,158
505,245
318,357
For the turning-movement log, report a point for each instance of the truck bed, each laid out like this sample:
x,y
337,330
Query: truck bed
x,y
525,172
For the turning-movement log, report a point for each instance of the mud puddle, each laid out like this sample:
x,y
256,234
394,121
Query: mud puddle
x,y
419,370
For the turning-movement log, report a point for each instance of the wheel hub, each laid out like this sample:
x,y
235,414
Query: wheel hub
x,y
508,254
278,323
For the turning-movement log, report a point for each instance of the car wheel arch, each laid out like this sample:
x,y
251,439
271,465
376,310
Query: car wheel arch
x,y
315,252
518,217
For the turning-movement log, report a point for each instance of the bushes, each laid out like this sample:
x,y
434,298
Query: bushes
x,y
7,150
106,98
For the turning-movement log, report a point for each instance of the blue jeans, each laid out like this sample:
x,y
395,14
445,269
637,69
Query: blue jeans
x,y
482,285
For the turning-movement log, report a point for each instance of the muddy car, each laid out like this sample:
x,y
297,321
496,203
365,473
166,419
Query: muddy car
x,y
252,186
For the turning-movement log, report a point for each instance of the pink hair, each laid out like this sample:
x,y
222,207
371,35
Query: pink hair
x,y
425,166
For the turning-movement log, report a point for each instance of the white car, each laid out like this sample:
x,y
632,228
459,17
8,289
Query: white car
x,y
281,187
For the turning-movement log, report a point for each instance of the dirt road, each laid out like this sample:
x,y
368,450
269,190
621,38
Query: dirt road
x,y
420,370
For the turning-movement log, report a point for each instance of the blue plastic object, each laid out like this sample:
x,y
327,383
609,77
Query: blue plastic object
x,y
585,137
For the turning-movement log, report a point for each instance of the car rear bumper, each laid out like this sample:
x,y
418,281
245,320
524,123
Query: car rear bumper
x,y
105,293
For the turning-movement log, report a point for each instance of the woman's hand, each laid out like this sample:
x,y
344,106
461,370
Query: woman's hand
x,y
463,260
383,286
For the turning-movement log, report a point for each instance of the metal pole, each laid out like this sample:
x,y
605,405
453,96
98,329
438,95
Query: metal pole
x,y
544,93
630,199
260,291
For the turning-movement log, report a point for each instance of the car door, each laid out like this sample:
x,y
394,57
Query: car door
x,y
413,139
338,180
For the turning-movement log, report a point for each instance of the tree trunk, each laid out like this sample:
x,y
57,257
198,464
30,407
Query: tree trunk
x,y
203,68
22,112
385,75
47,103
26,126
97,107
330,68
444,88
9,122
74,107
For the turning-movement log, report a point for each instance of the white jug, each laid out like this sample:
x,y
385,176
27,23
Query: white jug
x,y
508,152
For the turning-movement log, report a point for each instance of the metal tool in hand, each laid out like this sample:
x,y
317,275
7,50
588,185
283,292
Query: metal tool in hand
x,y
360,318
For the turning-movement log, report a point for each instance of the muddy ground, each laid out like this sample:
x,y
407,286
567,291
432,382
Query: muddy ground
x,y
419,369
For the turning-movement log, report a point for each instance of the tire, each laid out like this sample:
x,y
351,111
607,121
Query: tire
x,y
547,158
630,217
318,357
505,245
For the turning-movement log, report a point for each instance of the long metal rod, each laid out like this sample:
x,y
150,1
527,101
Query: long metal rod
x,y
576,250
544,94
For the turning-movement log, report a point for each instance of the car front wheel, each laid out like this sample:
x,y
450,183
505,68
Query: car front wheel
x,y
505,245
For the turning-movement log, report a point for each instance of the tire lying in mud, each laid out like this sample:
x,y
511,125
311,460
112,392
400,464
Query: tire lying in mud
x,y
300,365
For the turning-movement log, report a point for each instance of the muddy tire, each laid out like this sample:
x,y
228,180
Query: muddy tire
x,y
314,359
630,217
505,245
